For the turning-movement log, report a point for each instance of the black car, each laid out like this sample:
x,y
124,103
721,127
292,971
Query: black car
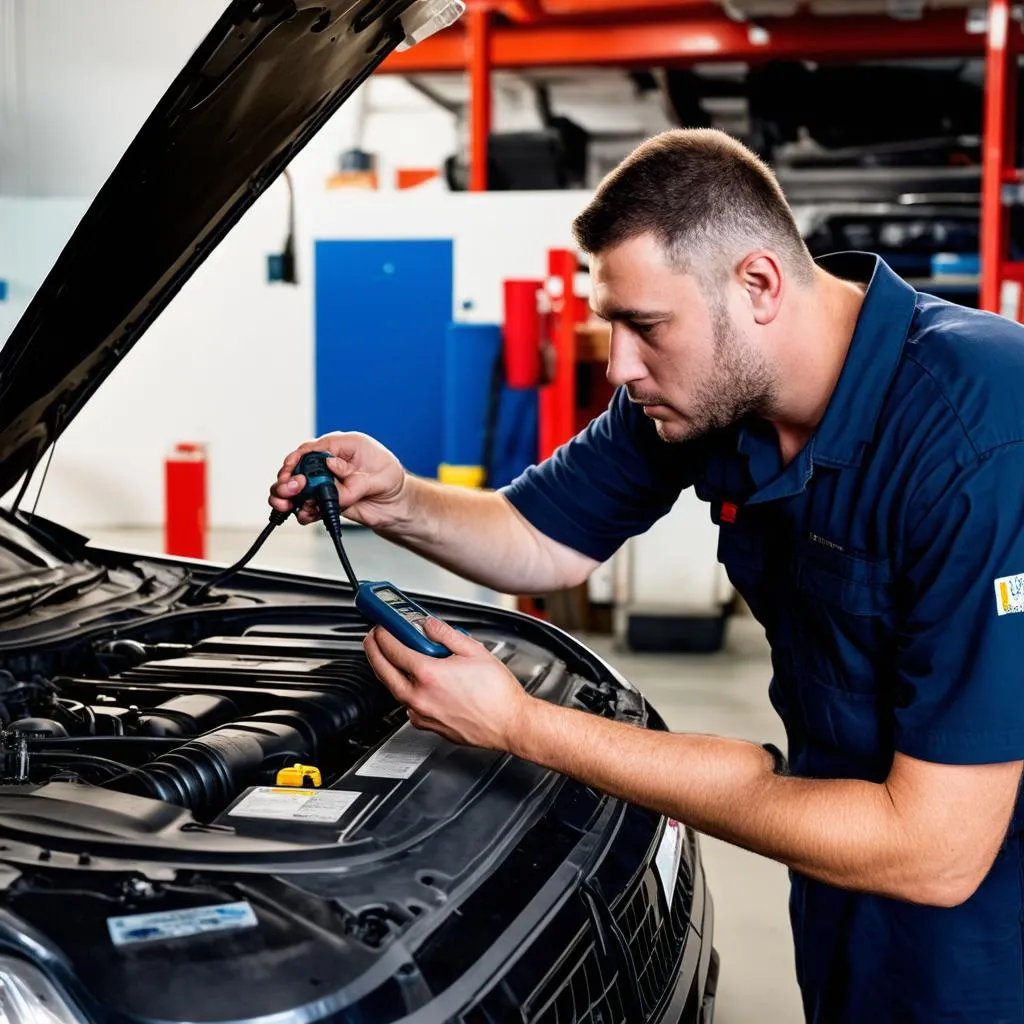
x,y
210,810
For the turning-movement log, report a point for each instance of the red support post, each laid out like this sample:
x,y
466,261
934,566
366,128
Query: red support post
x,y
479,41
998,145
558,398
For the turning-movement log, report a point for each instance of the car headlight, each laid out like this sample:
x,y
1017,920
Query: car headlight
x,y
425,18
28,997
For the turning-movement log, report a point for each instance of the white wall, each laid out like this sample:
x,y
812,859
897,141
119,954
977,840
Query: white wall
x,y
78,79
230,361
88,74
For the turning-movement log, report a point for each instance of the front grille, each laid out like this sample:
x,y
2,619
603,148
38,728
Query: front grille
x,y
586,995
583,992
584,987
651,941
682,903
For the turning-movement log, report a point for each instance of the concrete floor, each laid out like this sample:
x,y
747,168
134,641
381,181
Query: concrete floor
x,y
724,694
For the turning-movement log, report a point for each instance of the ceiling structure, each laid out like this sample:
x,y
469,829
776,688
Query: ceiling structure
x,y
672,37
534,10
526,34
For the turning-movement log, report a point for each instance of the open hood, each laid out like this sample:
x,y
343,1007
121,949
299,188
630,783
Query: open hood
x,y
266,78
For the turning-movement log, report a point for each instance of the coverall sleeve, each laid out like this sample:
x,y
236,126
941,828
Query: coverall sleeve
x,y
612,481
961,638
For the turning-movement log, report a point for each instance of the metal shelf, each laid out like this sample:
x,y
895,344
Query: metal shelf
x,y
965,284
524,34
678,39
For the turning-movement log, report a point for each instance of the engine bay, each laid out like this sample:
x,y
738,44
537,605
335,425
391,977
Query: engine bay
x,y
170,764
193,726
138,716
196,724
222,711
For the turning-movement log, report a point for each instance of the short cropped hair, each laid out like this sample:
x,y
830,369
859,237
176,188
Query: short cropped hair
x,y
706,198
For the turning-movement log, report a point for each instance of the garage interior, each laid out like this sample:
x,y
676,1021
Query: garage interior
x,y
422,239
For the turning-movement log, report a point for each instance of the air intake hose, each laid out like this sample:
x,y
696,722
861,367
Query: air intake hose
x,y
207,773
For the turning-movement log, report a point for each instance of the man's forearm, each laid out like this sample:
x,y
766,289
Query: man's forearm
x,y
479,536
844,832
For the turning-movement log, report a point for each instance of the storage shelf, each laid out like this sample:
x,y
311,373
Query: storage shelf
x,y
961,284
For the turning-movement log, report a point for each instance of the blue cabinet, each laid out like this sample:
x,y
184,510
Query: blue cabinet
x,y
382,313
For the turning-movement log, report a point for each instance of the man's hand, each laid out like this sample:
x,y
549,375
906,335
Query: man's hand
x,y
469,698
371,481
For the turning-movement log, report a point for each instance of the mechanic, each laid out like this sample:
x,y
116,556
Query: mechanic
x,y
860,445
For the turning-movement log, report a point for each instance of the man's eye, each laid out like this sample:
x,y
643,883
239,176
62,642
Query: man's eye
x,y
645,330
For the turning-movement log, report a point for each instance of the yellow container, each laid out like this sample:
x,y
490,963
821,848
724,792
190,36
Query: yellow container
x,y
297,774
462,476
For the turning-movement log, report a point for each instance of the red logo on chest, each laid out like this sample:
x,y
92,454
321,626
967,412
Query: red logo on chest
x,y
729,512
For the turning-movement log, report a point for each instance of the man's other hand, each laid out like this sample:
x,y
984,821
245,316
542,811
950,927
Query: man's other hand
x,y
469,698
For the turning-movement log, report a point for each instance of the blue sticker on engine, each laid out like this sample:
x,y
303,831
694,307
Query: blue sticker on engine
x,y
180,924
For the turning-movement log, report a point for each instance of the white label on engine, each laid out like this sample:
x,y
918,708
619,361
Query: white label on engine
x,y
284,803
180,924
400,756
666,863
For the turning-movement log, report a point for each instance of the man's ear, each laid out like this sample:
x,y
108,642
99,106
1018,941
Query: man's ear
x,y
761,276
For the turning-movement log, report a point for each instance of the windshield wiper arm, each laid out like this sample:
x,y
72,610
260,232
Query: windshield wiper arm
x,y
80,584
24,595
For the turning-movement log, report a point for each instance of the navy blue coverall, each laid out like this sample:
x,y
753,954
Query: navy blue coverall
x,y
886,563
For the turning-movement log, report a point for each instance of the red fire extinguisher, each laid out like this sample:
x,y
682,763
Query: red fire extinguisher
x,y
185,501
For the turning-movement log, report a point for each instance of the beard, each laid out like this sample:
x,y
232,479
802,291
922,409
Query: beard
x,y
741,384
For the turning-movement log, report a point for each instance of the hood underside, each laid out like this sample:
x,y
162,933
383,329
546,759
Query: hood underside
x,y
266,78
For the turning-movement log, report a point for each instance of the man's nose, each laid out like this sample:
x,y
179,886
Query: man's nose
x,y
624,364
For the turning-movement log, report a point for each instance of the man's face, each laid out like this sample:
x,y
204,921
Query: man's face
x,y
678,351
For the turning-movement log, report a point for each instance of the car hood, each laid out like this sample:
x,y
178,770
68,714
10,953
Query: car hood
x,y
261,84
150,872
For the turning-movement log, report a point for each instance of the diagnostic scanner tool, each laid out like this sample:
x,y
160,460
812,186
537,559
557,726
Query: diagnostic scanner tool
x,y
383,604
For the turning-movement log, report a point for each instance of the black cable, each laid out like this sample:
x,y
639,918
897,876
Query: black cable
x,y
60,770
200,592
340,548
96,762
321,489
326,498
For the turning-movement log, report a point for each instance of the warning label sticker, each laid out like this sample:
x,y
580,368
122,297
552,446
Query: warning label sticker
x,y
1010,595
180,924
324,806
400,756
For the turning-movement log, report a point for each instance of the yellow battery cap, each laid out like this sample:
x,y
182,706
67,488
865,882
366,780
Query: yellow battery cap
x,y
297,774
